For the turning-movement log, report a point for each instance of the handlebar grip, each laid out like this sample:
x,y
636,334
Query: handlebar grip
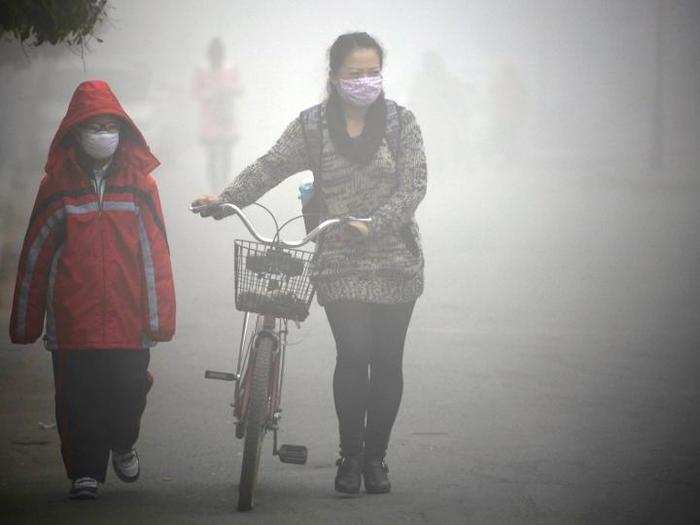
x,y
218,210
202,207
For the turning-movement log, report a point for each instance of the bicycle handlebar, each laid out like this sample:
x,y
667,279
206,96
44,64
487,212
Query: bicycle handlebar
x,y
235,210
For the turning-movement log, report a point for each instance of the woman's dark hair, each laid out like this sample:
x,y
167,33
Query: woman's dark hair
x,y
346,44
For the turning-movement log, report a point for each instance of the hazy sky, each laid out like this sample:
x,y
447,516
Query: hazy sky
x,y
588,68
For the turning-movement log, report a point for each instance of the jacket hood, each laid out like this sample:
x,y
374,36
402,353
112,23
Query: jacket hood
x,y
92,98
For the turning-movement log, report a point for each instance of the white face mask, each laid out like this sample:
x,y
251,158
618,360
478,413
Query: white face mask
x,y
100,145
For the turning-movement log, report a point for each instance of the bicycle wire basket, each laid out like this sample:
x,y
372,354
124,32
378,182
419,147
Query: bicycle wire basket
x,y
272,280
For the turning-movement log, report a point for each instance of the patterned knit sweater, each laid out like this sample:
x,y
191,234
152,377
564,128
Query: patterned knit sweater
x,y
386,267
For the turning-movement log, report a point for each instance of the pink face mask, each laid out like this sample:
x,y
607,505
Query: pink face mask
x,y
360,92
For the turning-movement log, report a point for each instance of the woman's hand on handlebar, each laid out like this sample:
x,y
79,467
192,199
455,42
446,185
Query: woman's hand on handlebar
x,y
207,202
359,227
210,207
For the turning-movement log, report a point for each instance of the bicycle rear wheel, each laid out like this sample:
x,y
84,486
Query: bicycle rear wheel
x,y
255,419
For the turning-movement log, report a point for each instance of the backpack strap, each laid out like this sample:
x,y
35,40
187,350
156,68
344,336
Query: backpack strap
x,y
312,128
393,128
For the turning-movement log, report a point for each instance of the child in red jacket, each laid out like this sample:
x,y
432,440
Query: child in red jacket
x,y
95,267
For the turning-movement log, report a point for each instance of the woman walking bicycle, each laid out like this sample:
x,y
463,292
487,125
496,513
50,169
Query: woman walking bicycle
x,y
368,160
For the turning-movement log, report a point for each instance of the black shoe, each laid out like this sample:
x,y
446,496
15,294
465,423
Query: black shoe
x,y
348,478
375,472
83,488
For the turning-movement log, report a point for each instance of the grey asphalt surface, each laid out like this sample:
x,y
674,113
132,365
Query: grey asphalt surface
x,y
551,373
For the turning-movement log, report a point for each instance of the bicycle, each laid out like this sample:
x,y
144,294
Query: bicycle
x,y
272,280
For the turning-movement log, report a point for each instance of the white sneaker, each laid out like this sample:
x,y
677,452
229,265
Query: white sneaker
x,y
126,465
83,488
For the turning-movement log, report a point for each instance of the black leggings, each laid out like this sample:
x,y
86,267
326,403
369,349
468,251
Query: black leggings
x,y
368,336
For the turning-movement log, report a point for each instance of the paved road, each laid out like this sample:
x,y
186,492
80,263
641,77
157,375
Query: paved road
x,y
551,374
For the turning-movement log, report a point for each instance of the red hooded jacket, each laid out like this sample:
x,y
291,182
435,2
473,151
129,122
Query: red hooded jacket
x,y
98,272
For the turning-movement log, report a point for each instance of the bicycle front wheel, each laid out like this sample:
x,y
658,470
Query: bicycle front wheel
x,y
255,420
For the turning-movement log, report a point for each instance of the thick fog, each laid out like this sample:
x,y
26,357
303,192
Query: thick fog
x,y
561,226
537,119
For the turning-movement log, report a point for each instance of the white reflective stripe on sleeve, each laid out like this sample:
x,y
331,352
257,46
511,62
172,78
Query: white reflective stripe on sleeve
x,y
149,272
32,257
51,339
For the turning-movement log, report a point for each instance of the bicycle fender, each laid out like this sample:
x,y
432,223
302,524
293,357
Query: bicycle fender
x,y
267,333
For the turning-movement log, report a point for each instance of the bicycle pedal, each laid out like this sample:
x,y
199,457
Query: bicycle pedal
x,y
296,454
222,376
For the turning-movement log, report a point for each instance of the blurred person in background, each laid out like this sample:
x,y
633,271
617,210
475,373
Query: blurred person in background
x,y
215,89
444,103
508,104
368,160
95,266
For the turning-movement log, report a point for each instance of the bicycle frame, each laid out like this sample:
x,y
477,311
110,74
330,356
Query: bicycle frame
x,y
260,363
276,329
265,325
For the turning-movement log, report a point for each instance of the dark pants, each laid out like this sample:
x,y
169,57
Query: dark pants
x,y
368,337
100,397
